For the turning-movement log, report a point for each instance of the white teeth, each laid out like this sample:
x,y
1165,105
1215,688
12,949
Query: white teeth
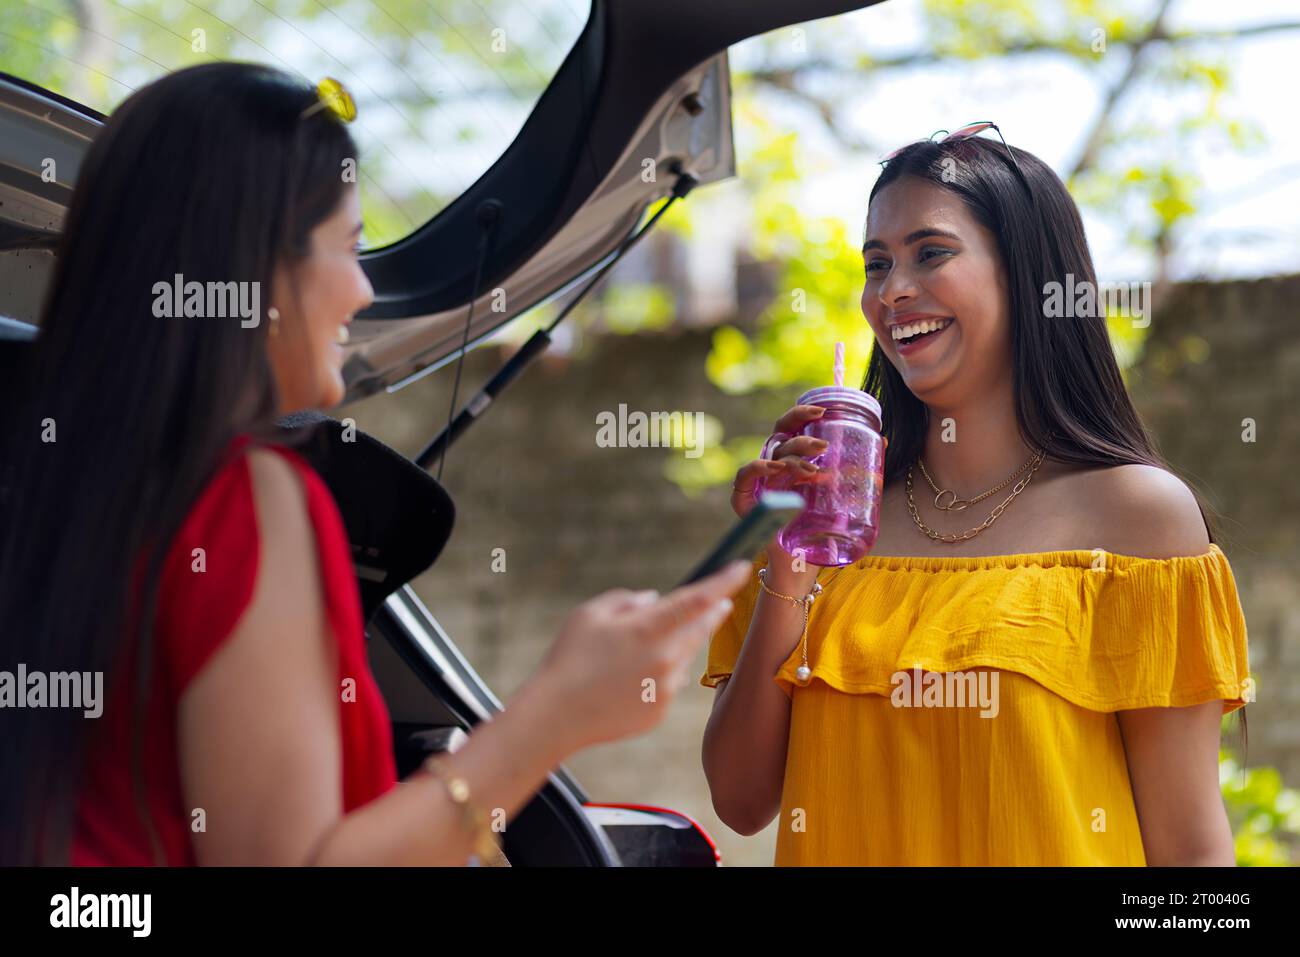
x,y
916,328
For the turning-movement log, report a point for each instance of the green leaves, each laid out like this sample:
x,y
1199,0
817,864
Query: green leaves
x,y
637,307
1263,812
441,88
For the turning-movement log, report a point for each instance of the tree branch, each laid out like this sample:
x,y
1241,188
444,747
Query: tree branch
x,y
784,81
774,75
1092,145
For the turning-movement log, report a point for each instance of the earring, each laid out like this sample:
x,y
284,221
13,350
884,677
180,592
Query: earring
x,y
274,315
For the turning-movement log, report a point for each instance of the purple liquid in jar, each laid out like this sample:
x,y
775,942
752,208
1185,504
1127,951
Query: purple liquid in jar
x,y
843,515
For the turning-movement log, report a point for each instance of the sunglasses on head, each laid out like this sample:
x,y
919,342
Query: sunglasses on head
x,y
966,132
333,96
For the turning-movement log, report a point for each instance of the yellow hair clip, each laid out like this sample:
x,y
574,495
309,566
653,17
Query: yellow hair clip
x,y
334,96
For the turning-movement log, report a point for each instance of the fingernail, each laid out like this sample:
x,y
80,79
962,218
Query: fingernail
x,y
647,597
722,609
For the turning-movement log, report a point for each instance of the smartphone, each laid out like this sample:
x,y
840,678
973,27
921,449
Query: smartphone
x,y
752,533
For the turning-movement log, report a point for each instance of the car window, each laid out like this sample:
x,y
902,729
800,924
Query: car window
x,y
442,86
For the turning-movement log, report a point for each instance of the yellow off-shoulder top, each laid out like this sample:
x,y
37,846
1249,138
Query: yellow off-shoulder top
x,y
961,710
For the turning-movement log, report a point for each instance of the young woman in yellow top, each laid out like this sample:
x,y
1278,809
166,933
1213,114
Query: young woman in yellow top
x,y
1091,619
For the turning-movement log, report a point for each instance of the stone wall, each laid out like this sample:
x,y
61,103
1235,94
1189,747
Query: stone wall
x,y
1221,359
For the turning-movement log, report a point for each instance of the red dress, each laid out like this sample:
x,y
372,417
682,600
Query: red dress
x,y
196,613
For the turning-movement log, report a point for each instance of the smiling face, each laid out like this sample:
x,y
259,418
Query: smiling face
x,y
930,264
316,298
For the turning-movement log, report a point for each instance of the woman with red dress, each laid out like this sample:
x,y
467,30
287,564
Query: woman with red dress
x,y
155,529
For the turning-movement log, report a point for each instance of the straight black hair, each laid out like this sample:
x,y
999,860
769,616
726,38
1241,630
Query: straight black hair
x,y
1070,397
121,417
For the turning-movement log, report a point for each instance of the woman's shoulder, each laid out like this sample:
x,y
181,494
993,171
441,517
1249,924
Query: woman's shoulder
x,y
1108,619
293,508
1133,509
260,513
253,480
1124,510
277,479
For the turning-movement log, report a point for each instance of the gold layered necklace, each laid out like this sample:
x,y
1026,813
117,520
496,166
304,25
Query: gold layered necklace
x,y
956,504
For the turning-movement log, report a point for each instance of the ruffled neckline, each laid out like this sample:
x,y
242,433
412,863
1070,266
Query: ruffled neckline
x,y
1150,632
1069,558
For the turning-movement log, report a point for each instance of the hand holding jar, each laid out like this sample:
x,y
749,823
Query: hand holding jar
x,y
842,480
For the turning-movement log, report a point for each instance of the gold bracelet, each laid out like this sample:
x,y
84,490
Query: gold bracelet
x,y
803,674
805,600
486,848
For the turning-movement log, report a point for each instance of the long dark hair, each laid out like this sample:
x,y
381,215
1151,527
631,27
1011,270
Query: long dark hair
x,y
212,173
1070,398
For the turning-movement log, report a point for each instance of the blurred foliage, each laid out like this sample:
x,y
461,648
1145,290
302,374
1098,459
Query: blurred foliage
x,y
820,284
715,466
1264,814
1189,78
441,87
637,307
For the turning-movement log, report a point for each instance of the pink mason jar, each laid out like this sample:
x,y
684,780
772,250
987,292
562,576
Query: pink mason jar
x,y
842,519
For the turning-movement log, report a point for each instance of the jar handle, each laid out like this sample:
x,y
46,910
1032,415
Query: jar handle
x,y
775,439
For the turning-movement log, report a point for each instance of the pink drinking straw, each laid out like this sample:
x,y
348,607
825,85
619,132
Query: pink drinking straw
x,y
839,364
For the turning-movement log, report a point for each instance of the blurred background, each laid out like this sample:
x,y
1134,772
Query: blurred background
x,y
1169,120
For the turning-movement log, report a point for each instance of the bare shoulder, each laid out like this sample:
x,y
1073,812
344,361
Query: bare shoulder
x,y
289,564
272,473
1140,510
278,495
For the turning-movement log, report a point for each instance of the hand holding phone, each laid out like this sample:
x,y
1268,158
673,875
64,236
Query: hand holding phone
x,y
752,533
